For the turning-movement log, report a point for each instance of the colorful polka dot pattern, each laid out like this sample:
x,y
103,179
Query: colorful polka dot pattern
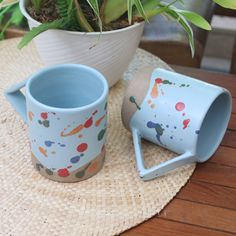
x,y
55,149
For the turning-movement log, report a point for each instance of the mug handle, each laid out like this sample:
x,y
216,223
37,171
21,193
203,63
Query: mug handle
x,y
161,169
17,99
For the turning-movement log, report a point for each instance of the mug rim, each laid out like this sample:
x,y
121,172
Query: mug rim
x,y
36,75
221,92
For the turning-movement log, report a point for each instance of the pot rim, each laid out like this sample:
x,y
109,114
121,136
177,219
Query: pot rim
x,y
29,18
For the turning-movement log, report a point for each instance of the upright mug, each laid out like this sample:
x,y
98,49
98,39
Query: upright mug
x,y
65,108
182,114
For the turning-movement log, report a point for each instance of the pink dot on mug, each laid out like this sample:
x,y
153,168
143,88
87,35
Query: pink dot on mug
x,y
180,106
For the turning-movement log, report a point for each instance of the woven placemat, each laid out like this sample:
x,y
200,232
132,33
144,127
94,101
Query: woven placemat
x,y
107,204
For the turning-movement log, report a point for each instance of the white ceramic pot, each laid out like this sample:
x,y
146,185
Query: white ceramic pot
x,y
109,52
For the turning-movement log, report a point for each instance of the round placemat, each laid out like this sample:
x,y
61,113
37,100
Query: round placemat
x,y
114,200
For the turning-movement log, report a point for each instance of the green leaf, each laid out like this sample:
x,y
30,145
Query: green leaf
x,y
6,3
81,19
173,13
4,28
5,10
151,8
70,7
37,5
63,7
95,6
57,24
185,25
16,17
140,9
231,4
130,10
66,9
195,19
114,9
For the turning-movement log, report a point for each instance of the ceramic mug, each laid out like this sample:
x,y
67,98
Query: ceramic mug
x,y
182,114
65,108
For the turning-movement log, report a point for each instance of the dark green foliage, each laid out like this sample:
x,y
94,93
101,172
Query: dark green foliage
x,y
93,15
66,9
37,5
10,15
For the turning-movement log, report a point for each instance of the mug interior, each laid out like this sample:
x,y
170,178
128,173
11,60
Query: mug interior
x,y
69,86
213,127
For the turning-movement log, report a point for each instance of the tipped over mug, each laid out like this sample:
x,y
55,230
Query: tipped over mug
x,y
182,114
65,108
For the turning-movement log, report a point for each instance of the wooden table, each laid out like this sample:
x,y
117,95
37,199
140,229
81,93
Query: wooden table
x,y
207,204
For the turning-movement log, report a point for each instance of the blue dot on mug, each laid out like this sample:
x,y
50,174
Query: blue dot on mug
x,y
75,159
61,144
48,143
151,124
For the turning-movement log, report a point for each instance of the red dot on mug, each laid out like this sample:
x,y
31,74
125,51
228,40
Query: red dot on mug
x,y
44,115
82,147
63,172
158,81
89,122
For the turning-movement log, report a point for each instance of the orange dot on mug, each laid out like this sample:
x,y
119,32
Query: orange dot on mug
x,y
93,167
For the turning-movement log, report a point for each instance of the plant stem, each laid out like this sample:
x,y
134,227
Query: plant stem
x,y
81,19
102,9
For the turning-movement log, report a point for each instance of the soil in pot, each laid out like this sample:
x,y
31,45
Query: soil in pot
x,y
49,12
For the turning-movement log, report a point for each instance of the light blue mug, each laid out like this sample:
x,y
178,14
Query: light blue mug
x,y
182,114
65,108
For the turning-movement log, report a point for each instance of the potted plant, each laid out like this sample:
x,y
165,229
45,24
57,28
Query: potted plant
x,y
103,34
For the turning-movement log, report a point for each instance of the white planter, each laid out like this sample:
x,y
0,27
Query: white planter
x,y
109,52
